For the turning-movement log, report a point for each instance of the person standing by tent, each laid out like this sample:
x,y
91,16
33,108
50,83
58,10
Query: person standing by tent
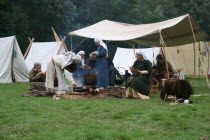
x,y
101,63
139,84
79,74
56,67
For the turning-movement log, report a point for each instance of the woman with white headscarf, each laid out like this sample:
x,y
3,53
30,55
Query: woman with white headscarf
x,y
139,84
101,63
79,74
56,67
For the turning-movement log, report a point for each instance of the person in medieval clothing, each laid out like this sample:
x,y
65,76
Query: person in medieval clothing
x,y
36,78
101,63
139,84
36,75
113,72
79,74
90,65
160,70
55,78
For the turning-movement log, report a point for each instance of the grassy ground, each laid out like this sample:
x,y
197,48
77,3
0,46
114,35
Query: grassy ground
x,y
111,118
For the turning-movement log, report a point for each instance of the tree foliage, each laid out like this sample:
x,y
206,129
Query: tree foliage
x,y
34,18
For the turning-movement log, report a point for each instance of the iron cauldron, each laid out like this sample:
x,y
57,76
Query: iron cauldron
x,y
90,79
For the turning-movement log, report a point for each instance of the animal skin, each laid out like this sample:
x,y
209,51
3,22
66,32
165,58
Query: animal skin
x,y
178,88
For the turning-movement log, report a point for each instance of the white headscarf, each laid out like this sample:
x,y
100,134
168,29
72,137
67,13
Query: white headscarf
x,y
82,59
81,52
142,54
69,57
102,44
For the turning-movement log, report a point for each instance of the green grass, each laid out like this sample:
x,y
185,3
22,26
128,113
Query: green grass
x,y
112,118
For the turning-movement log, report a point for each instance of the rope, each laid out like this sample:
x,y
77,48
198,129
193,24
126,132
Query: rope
x,y
80,43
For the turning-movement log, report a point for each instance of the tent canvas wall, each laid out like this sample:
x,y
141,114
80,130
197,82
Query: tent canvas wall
x,y
185,58
42,52
12,65
124,58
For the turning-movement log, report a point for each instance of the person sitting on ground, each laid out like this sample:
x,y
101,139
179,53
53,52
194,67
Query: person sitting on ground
x,y
113,72
36,78
160,70
36,75
139,84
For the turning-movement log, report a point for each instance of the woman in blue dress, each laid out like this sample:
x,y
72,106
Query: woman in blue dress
x,y
101,63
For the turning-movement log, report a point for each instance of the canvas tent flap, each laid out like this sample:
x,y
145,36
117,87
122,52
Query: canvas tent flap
x,y
176,31
12,61
42,52
185,59
124,58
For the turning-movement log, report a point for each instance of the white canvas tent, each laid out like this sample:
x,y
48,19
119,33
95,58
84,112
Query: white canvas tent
x,y
176,31
185,59
42,52
12,65
124,58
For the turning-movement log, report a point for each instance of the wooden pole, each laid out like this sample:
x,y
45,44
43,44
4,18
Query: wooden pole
x,y
194,48
71,44
29,47
64,44
61,45
164,45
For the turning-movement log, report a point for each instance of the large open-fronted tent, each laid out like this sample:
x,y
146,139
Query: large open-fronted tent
x,y
42,52
175,32
13,67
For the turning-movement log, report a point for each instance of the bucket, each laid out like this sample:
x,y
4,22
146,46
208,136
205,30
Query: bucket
x,y
163,82
154,88
166,76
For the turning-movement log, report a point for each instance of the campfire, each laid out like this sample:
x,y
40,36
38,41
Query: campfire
x,y
90,90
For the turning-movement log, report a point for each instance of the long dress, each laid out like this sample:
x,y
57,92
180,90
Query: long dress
x,y
101,68
79,75
59,64
141,82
